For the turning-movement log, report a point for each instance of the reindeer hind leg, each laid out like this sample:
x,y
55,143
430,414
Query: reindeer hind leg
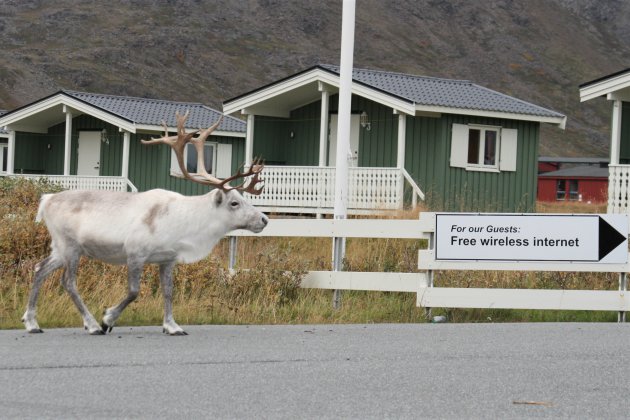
x,y
69,282
42,270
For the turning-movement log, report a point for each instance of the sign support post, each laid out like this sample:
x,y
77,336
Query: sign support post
x,y
343,134
623,287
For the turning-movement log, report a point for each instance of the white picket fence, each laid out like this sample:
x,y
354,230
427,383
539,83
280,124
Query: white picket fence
x,y
79,182
421,282
310,189
618,188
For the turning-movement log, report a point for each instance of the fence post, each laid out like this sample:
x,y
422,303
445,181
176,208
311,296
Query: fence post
x,y
431,245
232,261
623,287
339,251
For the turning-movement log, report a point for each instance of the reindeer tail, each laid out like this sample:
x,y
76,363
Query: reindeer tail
x,y
42,204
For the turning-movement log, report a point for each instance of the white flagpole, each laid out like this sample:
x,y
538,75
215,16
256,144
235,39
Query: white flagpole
x,y
343,131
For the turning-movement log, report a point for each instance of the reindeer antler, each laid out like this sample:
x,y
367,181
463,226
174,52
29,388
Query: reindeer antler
x,y
178,143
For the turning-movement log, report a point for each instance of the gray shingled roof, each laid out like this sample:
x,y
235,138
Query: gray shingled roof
x,y
588,171
587,160
431,91
153,111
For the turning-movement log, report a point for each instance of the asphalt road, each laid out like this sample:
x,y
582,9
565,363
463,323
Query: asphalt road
x,y
323,371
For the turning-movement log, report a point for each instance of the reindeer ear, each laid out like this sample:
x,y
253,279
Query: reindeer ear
x,y
218,197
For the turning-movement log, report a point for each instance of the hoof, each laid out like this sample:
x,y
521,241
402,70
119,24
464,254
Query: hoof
x,y
106,328
97,332
174,333
36,331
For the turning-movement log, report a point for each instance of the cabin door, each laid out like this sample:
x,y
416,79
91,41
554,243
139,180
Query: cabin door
x,y
89,154
354,140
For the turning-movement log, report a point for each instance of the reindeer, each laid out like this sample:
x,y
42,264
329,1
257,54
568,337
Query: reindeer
x,y
157,226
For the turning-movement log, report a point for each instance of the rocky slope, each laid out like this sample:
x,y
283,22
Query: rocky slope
x,y
209,51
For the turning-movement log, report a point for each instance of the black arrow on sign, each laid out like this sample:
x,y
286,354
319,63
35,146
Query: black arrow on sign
x,y
609,238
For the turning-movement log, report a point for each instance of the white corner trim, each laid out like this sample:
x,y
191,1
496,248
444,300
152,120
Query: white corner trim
x,y
605,87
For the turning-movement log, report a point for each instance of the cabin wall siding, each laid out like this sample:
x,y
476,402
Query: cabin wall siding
x,y
427,158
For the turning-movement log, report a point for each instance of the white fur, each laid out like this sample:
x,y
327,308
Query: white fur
x,y
155,226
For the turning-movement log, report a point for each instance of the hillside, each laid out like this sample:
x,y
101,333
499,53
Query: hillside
x,y
209,51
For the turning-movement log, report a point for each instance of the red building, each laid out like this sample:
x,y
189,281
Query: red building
x,y
580,183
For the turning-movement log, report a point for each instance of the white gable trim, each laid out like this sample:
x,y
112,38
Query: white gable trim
x,y
384,99
14,118
316,75
269,92
605,87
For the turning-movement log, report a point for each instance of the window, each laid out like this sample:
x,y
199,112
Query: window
x,y
574,195
4,157
208,157
561,190
483,148
217,159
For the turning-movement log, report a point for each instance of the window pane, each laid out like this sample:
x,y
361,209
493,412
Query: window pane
x,y
191,158
5,157
561,189
490,148
473,146
574,194
208,157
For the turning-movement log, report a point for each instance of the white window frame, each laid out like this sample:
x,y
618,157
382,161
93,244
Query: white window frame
x,y
3,147
479,165
175,169
219,169
505,153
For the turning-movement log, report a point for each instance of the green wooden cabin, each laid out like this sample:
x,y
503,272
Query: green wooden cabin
x,y
85,140
457,145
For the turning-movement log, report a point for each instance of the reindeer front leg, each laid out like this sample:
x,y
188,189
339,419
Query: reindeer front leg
x,y
166,279
134,268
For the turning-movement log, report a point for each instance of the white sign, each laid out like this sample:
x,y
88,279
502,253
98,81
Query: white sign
x,y
532,237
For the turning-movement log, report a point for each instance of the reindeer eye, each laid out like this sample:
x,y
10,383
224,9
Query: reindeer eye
x,y
234,204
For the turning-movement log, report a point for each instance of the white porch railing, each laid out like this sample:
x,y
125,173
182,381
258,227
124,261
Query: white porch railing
x,y
618,188
308,189
76,182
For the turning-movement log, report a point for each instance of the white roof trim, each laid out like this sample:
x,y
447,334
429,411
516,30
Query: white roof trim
x,y
605,87
262,95
384,98
559,121
64,99
160,129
